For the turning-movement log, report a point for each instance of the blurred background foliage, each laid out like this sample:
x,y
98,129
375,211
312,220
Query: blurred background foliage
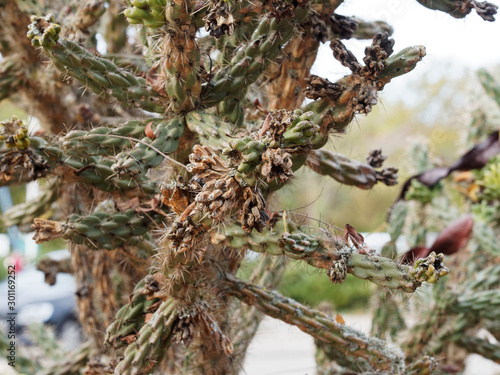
x,y
435,110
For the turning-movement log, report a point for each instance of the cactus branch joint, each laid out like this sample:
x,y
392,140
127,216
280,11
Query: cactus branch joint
x,y
157,165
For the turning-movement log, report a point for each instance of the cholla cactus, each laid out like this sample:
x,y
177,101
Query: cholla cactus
x,y
457,309
164,159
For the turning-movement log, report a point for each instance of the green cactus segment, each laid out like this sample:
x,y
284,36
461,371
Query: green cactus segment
x,y
232,111
131,317
349,172
461,8
490,85
153,340
367,30
336,258
397,219
251,59
95,170
102,76
387,273
343,98
24,213
269,152
151,13
401,63
179,64
104,230
209,129
104,140
486,237
71,364
482,347
101,229
320,326
479,304
487,278
150,152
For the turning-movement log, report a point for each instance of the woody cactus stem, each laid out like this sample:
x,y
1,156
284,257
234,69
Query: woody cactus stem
x,y
319,325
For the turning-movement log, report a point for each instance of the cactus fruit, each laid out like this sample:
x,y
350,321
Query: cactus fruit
x,y
161,165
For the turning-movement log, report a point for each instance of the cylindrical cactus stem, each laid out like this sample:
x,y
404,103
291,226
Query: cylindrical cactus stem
x,y
481,304
153,340
163,138
349,172
179,64
486,237
490,85
149,13
252,58
319,325
210,130
335,257
104,140
487,278
41,158
102,76
100,230
368,29
461,8
355,93
480,346
10,77
24,213
131,317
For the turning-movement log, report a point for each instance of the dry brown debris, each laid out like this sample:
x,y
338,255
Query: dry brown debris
x,y
219,19
275,124
253,212
46,230
319,88
276,163
375,158
184,330
281,8
343,27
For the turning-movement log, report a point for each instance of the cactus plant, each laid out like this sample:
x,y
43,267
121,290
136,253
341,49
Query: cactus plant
x,y
164,160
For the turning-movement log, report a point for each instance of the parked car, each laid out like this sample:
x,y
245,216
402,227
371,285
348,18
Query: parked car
x,y
38,302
